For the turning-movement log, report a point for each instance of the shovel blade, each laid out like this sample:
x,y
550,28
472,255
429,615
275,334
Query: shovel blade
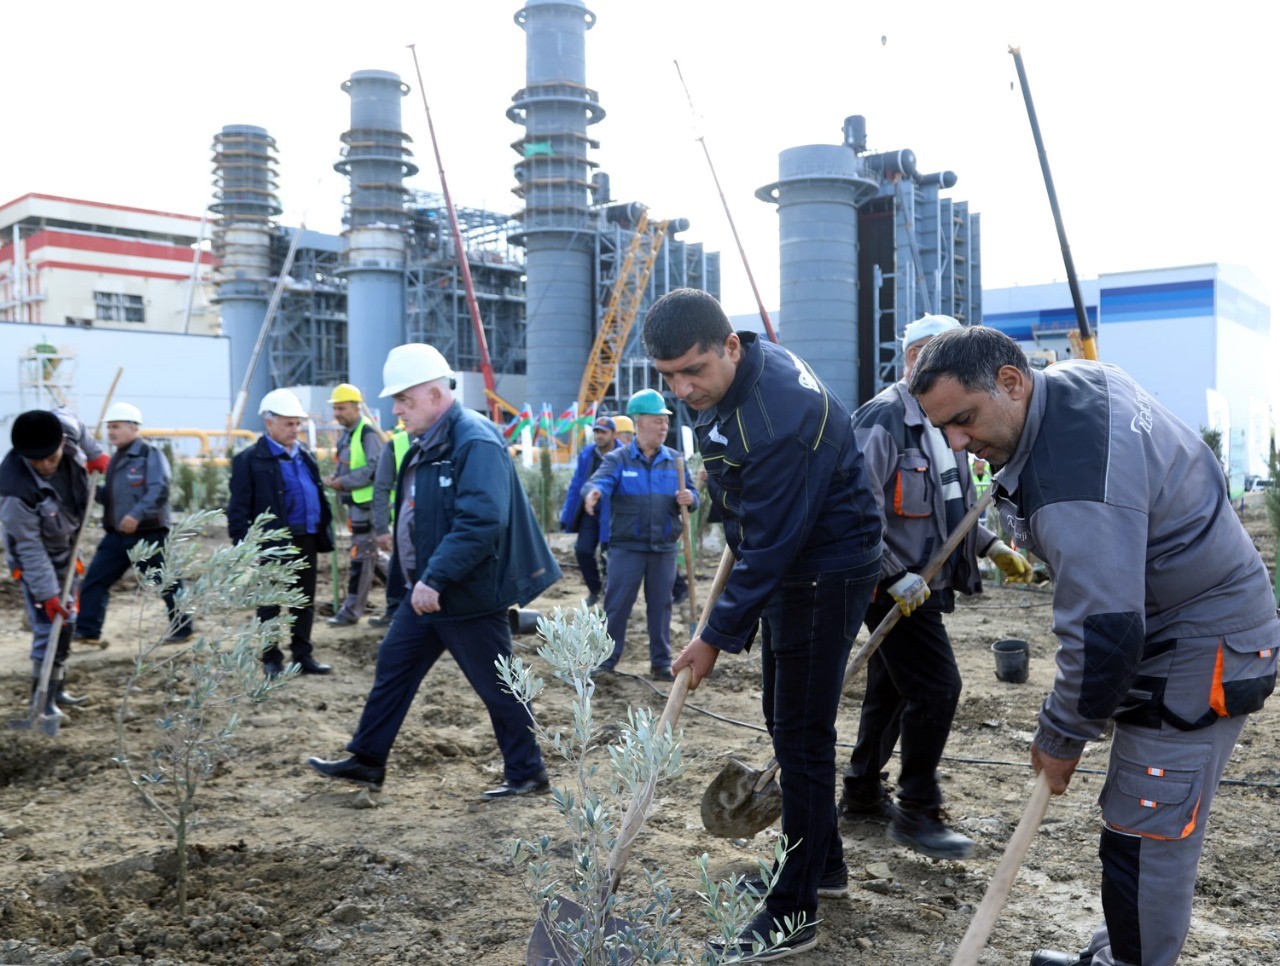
x,y
549,947
731,806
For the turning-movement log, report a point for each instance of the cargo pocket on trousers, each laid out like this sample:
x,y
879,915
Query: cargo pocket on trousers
x,y
1244,676
1155,787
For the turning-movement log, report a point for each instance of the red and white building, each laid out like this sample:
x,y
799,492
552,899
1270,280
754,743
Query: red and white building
x,y
65,261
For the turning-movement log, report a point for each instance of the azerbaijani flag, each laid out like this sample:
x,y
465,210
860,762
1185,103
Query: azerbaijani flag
x,y
516,426
545,426
588,416
568,419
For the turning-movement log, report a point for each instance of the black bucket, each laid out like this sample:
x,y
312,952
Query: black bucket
x,y
1012,659
522,620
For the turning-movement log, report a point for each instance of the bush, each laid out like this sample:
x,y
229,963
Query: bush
x,y
202,684
613,927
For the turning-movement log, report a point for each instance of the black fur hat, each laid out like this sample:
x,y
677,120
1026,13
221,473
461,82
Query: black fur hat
x,y
36,434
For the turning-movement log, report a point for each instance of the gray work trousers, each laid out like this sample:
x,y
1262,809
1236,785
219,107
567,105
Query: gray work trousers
x,y
1155,805
364,561
656,569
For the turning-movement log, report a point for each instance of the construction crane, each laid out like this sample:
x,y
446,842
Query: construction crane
x,y
620,315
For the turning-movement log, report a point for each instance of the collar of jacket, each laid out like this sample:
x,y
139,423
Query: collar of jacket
x,y
750,368
441,431
133,449
912,414
1007,478
274,450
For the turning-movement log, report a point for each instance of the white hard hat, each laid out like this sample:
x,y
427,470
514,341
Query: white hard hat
x,y
926,326
123,412
282,402
409,365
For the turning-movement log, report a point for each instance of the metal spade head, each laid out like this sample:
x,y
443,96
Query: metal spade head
x,y
733,807
548,945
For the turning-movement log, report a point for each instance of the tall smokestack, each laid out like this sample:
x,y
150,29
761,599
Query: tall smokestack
x,y
376,159
244,200
554,178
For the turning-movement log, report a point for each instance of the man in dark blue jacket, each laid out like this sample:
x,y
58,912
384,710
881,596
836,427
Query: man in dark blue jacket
x,y
645,496
467,546
279,475
800,518
592,528
135,498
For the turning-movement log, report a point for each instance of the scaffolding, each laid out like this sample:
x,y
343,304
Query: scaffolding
x,y
309,334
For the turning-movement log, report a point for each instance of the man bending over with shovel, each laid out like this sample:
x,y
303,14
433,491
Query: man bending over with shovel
x,y
1162,607
787,475
922,489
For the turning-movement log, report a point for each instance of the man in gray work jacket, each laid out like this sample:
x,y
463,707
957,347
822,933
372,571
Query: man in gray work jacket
x,y
1162,607
135,498
923,489
353,479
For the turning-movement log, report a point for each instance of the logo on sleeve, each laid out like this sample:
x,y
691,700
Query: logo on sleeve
x,y
806,377
446,481
1142,420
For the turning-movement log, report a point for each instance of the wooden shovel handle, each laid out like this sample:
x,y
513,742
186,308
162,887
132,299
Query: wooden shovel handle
x,y
984,920
634,816
687,539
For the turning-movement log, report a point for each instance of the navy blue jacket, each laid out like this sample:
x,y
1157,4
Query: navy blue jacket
x,y
475,537
643,513
257,485
571,512
784,469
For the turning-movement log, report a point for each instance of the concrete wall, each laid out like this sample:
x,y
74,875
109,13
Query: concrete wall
x,y
177,381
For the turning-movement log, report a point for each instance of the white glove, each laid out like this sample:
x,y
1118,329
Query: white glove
x,y
910,591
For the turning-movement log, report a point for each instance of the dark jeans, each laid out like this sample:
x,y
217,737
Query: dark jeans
x,y
110,561
808,630
628,569
304,545
584,548
913,687
413,644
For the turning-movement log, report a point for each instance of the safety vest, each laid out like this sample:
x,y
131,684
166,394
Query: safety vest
x,y
365,493
399,446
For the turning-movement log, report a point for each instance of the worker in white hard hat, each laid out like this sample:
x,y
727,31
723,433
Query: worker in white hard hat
x,y
135,498
467,547
278,474
352,479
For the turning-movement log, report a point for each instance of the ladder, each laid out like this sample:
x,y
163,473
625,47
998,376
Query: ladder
x,y
620,315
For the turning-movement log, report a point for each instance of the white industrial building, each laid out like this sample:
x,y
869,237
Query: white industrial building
x,y
1198,338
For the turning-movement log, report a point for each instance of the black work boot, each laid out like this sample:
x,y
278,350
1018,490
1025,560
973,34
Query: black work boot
x,y
1051,957
58,687
923,830
50,709
865,803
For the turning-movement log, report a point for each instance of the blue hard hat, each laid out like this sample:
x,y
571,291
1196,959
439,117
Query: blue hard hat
x,y
647,402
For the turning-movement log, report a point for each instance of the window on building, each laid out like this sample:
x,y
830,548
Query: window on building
x,y
118,307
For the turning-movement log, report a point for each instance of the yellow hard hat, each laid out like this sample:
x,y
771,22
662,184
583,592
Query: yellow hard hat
x,y
623,424
345,392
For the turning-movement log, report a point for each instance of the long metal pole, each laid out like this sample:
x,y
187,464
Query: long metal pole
x,y
486,366
195,274
1082,318
764,313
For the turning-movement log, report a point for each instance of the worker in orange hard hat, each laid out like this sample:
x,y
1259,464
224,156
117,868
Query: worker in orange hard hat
x,y
352,479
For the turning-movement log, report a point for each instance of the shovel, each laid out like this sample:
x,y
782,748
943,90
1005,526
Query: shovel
x,y
688,552
741,801
547,946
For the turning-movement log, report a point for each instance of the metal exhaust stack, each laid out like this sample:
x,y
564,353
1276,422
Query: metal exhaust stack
x,y
245,202
376,160
554,177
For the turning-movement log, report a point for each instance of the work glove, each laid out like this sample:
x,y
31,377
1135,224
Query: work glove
x,y
53,607
910,591
98,465
1014,566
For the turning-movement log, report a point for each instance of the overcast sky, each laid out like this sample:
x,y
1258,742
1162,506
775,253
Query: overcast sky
x,y
1159,122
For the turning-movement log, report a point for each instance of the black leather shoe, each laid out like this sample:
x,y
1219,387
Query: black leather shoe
x,y
341,620
534,786
272,669
310,665
922,829
351,770
860,805
739,951
382,621
661,674
1051,957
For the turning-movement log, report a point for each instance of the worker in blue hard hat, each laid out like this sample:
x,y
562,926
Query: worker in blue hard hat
x,y
645,496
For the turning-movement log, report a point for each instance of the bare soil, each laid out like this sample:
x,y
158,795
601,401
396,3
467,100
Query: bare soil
x,y
290,869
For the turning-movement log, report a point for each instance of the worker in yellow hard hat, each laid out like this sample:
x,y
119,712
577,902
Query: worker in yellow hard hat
x,y
357,460
626,429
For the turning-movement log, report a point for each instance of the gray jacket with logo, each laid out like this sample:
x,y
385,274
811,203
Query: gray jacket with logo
x,y
1129,510
137,486
908,491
